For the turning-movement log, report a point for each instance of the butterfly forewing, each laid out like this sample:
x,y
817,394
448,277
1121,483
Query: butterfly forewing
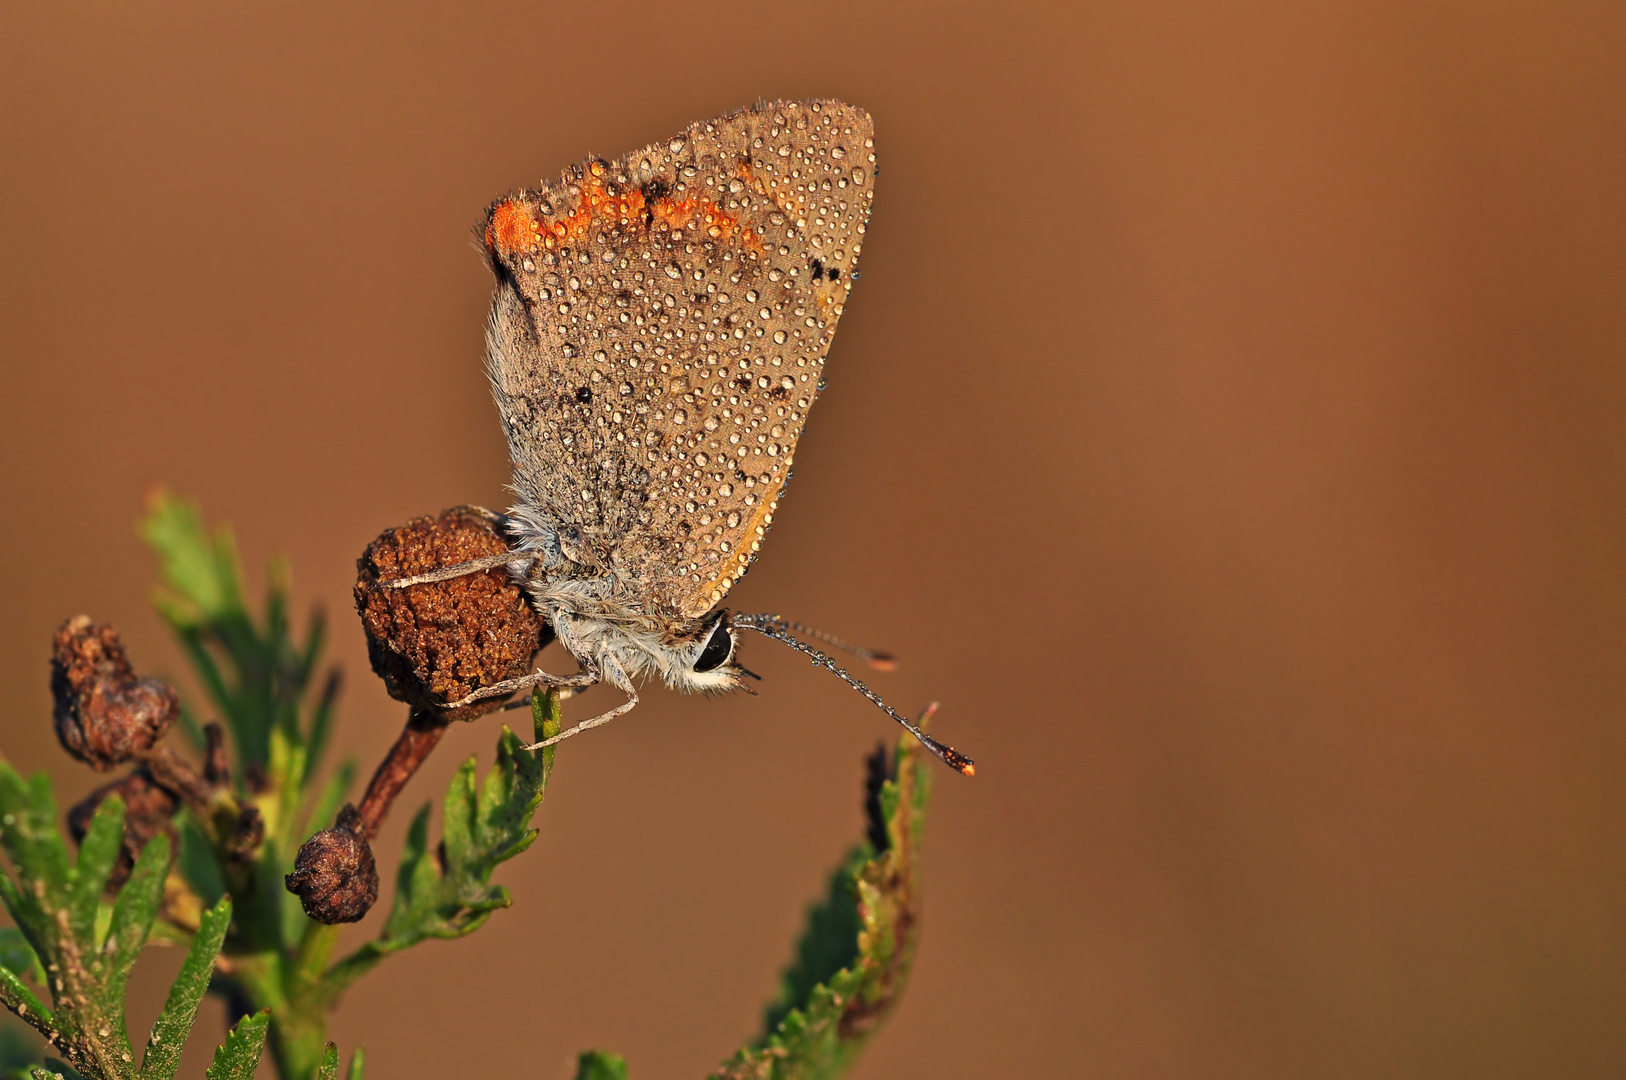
x,y
662,334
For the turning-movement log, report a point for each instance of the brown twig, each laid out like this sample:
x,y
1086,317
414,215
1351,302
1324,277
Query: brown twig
x,y
423,732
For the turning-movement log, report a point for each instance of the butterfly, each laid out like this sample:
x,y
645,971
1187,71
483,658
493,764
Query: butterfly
x,y
657,337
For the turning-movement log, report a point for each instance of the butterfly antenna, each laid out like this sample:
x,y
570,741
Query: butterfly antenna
x,y
774,627
880,661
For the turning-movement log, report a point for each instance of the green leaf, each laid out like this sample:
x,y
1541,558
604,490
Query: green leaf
x,y
357,1060
237,1057
854,960
22,1001
97,854
200,572
169,1032
133,915
600,1065
329,1068
86,945
482,826
254,672
828,945
29,835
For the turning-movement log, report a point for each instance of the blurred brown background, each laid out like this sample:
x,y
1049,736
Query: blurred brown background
x,y
1226,429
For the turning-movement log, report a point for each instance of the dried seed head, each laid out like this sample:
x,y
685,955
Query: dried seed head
x,y
148,811
105,713
440,641
334,875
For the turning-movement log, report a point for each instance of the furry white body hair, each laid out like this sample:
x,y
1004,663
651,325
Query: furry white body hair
x,y
604,628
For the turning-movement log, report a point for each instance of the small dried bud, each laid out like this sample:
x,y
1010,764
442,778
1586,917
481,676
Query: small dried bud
x,y
439,642
105,714
334,874
148,811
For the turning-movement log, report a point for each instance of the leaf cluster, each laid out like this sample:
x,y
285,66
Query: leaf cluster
x,y
81,948
854,959
222,896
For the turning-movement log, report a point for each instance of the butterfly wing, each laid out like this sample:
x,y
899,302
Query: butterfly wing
x,y
659,332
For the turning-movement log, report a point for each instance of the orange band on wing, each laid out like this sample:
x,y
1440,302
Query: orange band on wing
x,y
513,230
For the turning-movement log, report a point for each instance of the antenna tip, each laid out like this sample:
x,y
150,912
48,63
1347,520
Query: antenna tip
x,y
956,760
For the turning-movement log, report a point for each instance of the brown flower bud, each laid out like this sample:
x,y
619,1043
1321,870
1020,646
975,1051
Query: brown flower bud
x,y
148,811
334,875
105,713
440,641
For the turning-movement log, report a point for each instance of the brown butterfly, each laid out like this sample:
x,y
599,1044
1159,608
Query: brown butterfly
x,y
657,338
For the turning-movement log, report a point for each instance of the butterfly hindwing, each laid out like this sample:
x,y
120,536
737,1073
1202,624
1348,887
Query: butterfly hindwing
x,y
659,332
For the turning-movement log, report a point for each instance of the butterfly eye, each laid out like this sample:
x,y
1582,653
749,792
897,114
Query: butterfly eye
x,y
719,647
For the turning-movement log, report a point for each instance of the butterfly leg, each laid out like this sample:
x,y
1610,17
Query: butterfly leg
x,y
585,677
446,573
615,677
602,718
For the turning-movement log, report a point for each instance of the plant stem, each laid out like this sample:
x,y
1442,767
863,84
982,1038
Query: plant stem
x,y
423,732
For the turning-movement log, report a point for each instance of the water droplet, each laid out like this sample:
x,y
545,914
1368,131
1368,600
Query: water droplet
x,y
779,337
680,417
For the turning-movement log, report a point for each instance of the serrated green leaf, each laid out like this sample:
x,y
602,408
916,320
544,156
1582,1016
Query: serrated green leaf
x,y
29,835
199,570
237,1057
483,825
98,853
600,1065
255,674
457,816
824,1017
830,942
133,915
61,913
169,1032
